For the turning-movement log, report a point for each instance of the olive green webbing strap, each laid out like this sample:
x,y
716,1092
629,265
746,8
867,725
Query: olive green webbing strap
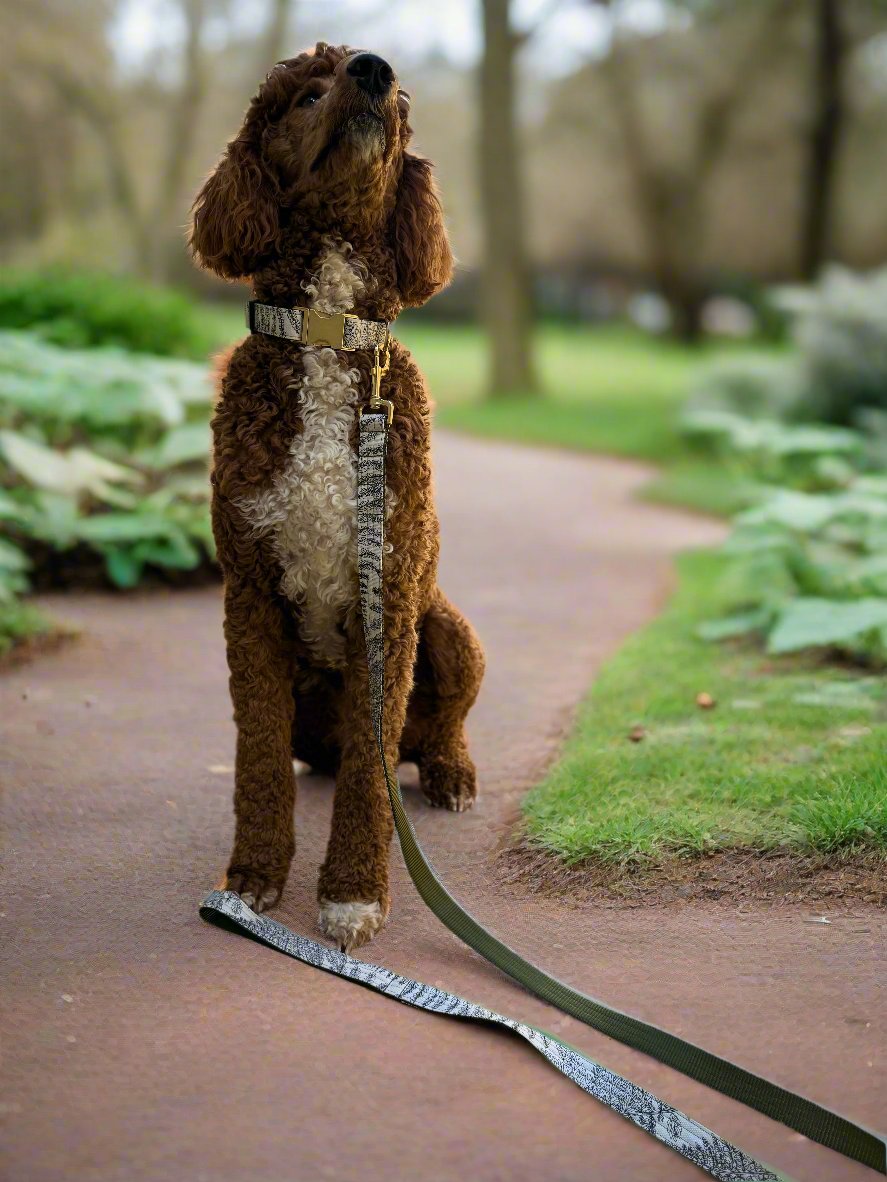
x,y
806,1117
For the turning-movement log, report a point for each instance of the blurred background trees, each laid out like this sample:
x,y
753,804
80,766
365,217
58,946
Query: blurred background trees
x,y
678,148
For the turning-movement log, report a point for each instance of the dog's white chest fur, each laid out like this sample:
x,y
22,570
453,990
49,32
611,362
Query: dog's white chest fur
x,y
310,508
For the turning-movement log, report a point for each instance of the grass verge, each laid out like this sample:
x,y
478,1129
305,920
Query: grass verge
x,y
789,759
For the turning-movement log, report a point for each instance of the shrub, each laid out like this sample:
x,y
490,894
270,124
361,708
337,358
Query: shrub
x,y
837,372
809,457
809,571
840,329
78,310
103,453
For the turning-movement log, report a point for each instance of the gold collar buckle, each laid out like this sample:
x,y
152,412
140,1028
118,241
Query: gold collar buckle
x,y
319,329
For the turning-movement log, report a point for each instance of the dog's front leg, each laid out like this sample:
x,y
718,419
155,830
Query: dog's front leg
x,y
260,663
353,886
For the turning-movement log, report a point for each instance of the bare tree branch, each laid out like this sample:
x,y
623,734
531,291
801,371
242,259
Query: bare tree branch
x,y
671,205
720,112
521,36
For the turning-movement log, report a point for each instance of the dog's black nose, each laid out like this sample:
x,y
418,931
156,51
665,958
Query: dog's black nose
x,y
371,73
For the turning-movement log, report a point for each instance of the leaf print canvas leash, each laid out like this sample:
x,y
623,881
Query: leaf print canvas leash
x,y
693,1141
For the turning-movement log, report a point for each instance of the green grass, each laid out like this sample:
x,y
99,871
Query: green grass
x,y
606,389
791,755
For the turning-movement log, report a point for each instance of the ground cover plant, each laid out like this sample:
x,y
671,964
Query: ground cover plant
x,y
104,440
103,469
808,559
808,556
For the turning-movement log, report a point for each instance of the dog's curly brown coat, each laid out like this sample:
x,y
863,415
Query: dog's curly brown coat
x,y
320,161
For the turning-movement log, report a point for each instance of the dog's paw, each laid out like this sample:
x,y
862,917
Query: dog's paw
x,y
349,925
258,891
450,786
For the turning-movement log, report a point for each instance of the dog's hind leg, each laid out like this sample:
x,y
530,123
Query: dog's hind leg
x,y
449,670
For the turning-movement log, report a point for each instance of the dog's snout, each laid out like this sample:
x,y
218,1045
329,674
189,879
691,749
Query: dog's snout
x,y
371,73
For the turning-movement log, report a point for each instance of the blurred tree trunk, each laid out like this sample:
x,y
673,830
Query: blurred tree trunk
x,y
99,109
826,130
506,296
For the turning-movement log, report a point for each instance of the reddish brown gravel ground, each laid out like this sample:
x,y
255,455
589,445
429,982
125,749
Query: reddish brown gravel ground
x,y
142,1044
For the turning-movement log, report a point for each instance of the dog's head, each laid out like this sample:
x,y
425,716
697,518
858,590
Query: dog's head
x,y
324,143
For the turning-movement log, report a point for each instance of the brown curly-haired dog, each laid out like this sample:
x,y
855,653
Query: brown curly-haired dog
x,y
318,201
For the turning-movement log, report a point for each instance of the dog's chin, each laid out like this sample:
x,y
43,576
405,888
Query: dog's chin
x,y
365,135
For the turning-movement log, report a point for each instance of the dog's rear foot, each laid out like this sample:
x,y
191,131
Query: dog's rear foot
x,y
449,783
349,925
259,891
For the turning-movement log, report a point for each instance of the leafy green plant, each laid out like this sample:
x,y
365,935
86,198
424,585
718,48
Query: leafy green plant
x,y
18,621
79,310
13,571
809,570
808,456
809,552
21,623
103,452
122,401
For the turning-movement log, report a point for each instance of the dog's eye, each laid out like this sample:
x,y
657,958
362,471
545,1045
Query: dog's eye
x,y
308,100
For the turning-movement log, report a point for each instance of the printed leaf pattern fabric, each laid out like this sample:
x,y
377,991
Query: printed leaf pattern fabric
x,y
673,1128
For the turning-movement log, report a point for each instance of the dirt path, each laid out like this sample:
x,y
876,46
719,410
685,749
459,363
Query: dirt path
x,y
143,1044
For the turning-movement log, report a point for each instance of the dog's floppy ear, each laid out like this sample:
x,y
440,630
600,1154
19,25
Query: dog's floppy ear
x,y
422,249
235,217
